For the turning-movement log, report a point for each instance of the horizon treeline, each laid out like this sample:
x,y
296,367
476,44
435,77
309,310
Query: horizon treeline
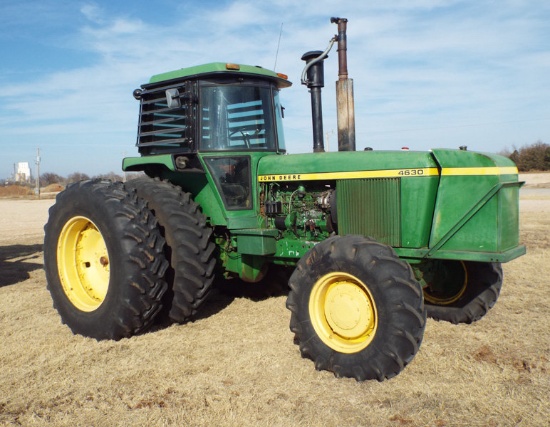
x,y
533,157
48,178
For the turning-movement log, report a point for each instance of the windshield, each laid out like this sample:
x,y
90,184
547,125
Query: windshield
x,y
237,117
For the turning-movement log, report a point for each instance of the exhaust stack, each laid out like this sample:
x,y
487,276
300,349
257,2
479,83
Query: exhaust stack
x,y
344,92
314,78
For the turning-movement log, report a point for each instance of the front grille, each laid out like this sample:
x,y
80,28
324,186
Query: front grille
x,y
370,207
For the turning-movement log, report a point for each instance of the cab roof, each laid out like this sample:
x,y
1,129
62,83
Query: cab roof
x,y
217,68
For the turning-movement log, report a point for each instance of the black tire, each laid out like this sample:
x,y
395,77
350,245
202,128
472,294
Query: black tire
x,y
188,245
357,309
104,261
482,282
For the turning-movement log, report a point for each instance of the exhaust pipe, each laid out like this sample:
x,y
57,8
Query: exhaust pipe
x,y
313,77
344,92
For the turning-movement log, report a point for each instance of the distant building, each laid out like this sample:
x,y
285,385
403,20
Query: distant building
x,y
22,172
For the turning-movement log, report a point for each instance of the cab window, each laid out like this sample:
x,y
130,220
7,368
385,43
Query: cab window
x,y
237,117
232,177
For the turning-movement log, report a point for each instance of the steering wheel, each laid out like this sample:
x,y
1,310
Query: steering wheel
x,y
246,135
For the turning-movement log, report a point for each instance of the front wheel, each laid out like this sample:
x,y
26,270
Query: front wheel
x,y
357,310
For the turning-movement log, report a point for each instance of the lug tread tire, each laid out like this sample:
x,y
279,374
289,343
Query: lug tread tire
x,y
137,262
189,247
397,296
483,289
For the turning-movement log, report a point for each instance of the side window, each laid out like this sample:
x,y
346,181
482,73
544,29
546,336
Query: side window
x,y
232,176
279,119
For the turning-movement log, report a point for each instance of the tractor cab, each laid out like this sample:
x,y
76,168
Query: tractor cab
x,y
211,108
220,117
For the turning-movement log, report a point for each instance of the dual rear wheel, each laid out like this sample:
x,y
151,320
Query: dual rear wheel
x,y
104,261
107,249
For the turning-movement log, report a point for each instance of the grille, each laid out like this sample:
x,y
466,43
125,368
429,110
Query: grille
x,y
161,127
370,207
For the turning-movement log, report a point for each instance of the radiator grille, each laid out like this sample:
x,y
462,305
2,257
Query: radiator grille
x,y
370,207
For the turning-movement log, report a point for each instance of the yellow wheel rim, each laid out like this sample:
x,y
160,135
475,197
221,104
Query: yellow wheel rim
x,y
456,288
83,263
343,312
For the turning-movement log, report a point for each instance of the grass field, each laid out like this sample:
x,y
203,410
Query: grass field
x,y
237,365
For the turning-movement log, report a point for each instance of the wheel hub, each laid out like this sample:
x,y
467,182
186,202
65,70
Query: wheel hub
x,y
83,262
342,312
348,310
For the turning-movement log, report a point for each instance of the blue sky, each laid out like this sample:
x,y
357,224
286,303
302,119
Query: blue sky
x,y
427,73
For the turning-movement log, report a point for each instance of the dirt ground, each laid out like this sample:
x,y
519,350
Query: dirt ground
x,y
237,364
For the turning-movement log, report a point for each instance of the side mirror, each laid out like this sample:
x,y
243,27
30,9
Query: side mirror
x,y
173,99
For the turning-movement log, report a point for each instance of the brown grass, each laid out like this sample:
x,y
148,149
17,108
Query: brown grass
x,y
53,188
28,193
15,191
237,364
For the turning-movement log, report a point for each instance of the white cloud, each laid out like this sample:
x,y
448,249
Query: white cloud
x,y
93,13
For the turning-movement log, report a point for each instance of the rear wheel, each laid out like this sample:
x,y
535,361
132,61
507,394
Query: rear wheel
x,y
460,291
103,260
357,310
188,245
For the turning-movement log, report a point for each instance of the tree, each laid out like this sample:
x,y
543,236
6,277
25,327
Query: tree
x,y
514,157
110,176
49,178
77,176
534,157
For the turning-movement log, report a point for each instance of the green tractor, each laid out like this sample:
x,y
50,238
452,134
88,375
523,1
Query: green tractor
x,y
375,240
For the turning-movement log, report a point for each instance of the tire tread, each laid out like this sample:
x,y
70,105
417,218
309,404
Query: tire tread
x,y
188,240
388,354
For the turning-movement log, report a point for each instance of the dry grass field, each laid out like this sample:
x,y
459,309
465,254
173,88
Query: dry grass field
x,y
237,364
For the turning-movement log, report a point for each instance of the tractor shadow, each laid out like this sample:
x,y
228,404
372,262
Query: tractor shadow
x,y
17,262
224,292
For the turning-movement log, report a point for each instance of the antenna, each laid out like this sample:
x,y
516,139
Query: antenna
x,y
278,44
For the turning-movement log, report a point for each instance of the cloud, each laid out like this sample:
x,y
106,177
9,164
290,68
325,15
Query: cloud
x,y
93,13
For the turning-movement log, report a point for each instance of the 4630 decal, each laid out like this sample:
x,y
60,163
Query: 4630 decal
x,y
411,172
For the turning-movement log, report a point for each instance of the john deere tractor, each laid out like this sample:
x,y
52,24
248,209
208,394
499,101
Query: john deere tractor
x,y
376,240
